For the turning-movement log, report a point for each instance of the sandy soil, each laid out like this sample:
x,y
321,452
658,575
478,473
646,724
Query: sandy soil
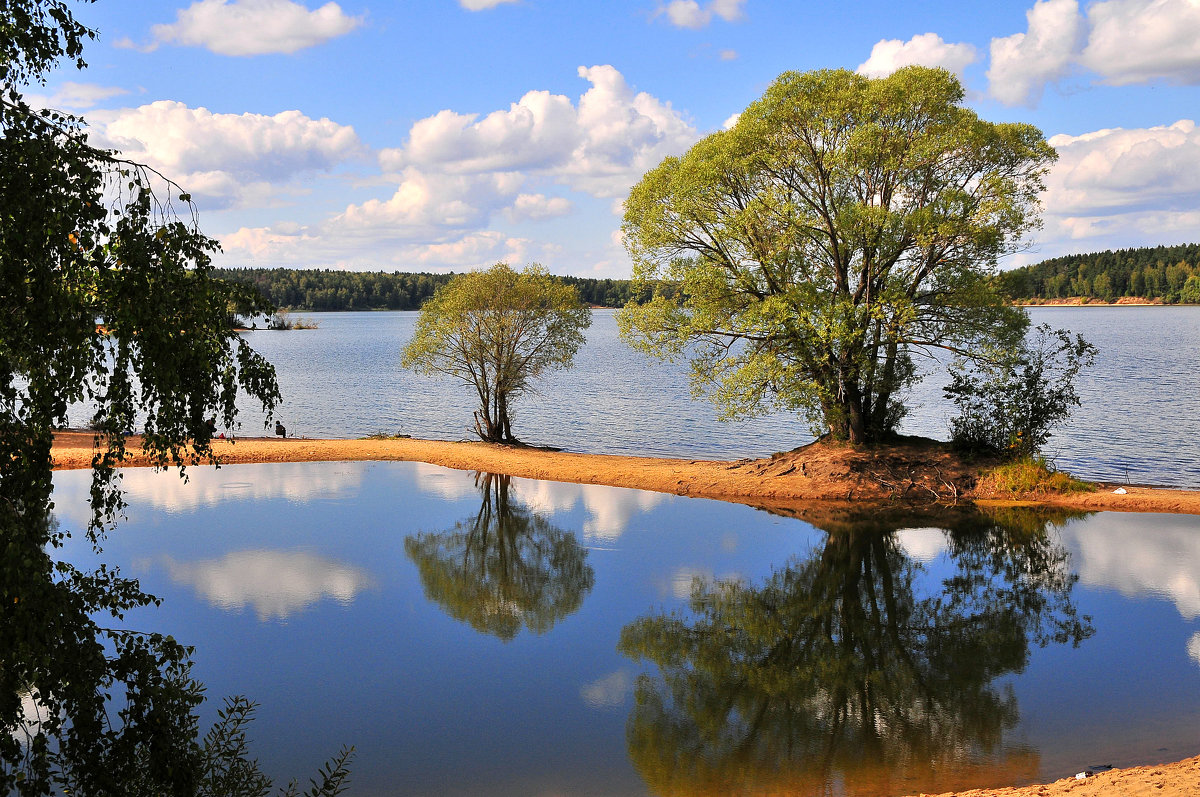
x,y
1170,780
917,473
818,472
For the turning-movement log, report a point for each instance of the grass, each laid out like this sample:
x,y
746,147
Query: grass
x,y
385,436
1032,476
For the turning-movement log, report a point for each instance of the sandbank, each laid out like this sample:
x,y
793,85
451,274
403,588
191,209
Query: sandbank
x,y
821,472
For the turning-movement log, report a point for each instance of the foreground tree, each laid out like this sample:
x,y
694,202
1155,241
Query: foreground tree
x,y
498,330
842,225
106,299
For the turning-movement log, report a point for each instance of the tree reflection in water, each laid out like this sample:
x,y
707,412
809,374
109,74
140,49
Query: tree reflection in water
x,y
505,568
845,673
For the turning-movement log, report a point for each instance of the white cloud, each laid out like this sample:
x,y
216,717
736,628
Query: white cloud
x,y
728,55
480,5
537,131
1193,647
600,145
923,544
75,96
538,206
254,27
459,173
926,49
1022,64
690,14
1135,41
225,159
1122,187
277,584
610,509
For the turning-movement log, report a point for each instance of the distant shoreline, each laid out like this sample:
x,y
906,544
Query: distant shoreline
x,y
822,472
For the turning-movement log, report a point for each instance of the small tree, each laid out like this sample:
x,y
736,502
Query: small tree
x,y
498,330
1010,405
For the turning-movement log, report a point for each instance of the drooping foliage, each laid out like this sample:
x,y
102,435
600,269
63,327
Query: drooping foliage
x,y
841,225
498,330
106,298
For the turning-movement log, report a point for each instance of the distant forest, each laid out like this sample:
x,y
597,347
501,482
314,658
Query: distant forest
x,y
1170,274
326,289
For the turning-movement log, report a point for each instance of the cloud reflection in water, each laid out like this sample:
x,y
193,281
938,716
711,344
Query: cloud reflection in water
x,y
277,584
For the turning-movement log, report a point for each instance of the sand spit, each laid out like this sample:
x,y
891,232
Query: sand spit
x,y
914,472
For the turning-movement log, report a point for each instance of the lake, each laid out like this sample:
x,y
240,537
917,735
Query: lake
x,y
1139,421
472,634
1140,417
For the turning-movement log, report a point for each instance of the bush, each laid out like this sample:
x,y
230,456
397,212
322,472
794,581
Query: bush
x,y
1008,406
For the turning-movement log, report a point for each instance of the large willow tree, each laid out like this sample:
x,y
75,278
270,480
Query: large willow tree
x,y
843,225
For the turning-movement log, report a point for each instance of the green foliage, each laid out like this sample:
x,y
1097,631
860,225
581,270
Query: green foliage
x,y
1009,406
329,289
1159,273
842,225
498,330
106,297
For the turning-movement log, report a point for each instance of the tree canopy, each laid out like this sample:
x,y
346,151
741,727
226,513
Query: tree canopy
x,y
842,225
106,297
498,330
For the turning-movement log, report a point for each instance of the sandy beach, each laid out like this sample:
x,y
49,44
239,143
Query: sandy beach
x,y
818,472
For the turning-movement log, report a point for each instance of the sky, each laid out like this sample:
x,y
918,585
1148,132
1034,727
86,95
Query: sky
x,y
447,135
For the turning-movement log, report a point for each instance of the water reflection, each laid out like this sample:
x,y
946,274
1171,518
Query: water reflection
x,y
839,673
277,584
505,568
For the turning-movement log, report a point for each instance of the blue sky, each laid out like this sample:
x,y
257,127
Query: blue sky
x,y
438,135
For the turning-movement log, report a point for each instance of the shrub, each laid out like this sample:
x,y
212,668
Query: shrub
x,y
1008,406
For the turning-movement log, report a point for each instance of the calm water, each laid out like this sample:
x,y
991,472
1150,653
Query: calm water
x,y
1140,417
477,635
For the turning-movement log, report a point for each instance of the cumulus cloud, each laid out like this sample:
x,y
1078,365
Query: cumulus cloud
x,y
1022,64
690,14
927,49
480,5
601,145
1120,170
537,206
254,27
225,159
458,173
1134,41
1122,187
276,584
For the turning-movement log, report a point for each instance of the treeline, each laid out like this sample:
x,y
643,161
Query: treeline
x,y
1170,274
326,289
